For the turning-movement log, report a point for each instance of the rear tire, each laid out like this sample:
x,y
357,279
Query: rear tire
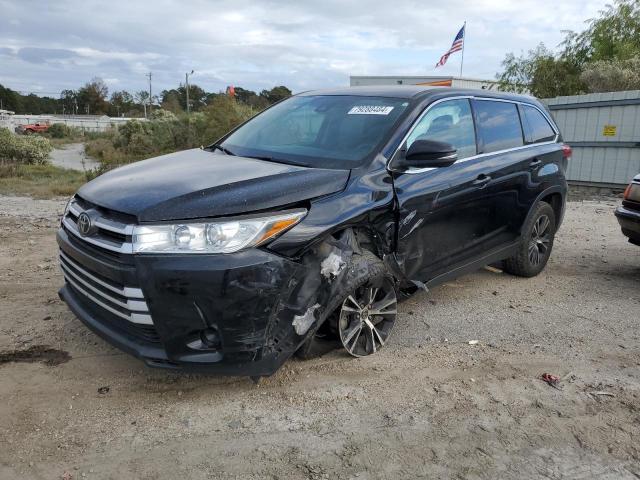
x,y
536,243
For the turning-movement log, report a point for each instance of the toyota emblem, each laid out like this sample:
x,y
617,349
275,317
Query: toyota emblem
x,y
84,224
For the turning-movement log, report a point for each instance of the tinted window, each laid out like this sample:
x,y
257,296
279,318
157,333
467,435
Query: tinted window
x,y
536,127
449,122
318,131
498,125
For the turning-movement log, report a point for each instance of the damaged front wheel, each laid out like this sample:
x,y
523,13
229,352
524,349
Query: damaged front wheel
x,y
367,317
363,311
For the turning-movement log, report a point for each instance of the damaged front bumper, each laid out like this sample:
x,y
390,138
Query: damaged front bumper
x,y
234,314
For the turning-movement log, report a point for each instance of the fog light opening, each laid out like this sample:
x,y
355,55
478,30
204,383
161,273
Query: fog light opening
x,y
210,338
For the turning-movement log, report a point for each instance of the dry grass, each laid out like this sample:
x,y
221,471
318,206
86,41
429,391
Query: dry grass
x,y
39,181
110,156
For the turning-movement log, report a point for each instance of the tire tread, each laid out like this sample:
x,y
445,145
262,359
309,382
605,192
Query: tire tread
x,y
519,265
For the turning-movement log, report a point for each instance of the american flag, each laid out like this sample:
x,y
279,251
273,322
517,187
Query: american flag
x,y
456,46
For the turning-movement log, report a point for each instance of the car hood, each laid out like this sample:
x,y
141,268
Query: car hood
x,y
199,183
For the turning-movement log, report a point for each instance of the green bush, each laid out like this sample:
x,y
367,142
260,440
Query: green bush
x,y
165,132
30,149
161,114
59,130
141,145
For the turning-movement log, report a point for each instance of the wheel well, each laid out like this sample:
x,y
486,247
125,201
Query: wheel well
x,y
366,241
555,200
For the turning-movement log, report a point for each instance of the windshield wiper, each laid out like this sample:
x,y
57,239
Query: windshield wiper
x,y
216,146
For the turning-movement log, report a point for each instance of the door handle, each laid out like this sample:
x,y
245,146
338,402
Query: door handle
x,y
535,163
482,180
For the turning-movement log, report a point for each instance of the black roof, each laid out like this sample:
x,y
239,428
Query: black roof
x,y
395,91
411,91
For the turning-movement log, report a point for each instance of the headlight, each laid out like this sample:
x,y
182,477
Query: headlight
x,y
224,236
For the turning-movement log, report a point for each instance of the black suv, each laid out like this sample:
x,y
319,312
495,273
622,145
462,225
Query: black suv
x,y
307,223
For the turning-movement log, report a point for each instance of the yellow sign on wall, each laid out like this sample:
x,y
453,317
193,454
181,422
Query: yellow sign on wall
x,y
609,130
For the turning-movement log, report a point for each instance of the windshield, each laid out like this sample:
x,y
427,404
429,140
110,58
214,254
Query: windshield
x,y
318,131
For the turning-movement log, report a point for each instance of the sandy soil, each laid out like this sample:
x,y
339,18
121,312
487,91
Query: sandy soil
x,y
429,405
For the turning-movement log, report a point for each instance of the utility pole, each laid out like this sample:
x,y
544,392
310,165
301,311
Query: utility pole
x,y
186,77
149,75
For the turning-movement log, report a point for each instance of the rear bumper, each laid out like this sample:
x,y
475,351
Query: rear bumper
x,y
629,221
248,299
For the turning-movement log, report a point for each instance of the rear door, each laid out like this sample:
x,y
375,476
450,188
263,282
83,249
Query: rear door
x,y
546,156
502,144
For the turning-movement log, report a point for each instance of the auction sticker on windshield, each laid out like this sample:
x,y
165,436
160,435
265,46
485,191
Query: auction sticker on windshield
x,y
370,110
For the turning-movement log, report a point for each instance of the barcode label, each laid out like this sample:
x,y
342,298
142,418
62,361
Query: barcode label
x,y
370,110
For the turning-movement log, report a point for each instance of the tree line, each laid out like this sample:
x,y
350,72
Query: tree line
x,y
604,57
93,98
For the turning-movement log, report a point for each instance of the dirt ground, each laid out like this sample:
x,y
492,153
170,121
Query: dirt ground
x,y
428,405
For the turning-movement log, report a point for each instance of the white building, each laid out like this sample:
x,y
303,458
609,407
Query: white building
x,y
6,117
86,123
432,81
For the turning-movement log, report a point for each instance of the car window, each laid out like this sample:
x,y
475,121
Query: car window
x,y
536,127
323,131
498,125
451,122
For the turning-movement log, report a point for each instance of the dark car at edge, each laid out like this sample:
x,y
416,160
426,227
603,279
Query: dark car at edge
x,y
628,214
304,226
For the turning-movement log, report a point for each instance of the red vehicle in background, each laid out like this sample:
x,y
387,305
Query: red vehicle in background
x,y
32,128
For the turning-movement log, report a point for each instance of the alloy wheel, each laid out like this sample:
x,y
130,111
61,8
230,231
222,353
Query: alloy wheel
x,y
367,317
540,240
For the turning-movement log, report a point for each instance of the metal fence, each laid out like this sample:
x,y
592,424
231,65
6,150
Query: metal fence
x,y
86,123
603,130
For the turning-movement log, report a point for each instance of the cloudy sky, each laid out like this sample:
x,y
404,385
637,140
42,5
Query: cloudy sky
x,y
50,45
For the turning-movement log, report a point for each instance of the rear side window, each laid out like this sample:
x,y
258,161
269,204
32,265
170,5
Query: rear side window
x,y
451,122
536,127
498,125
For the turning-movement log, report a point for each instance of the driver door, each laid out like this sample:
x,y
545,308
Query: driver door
x,y
444,212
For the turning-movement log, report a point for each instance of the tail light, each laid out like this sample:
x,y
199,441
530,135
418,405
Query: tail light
x,y
627,192
566,151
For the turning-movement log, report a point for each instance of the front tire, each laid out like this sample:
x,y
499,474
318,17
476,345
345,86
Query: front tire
x,y
363,311
536,244
367,316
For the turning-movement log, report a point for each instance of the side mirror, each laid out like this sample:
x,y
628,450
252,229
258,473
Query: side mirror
x,y
428,154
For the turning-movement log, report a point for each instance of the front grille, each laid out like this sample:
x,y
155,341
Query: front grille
x,y
124,305
108,232
118,306
145,333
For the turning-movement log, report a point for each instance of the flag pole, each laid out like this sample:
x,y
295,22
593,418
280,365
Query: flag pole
x,y
464,42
